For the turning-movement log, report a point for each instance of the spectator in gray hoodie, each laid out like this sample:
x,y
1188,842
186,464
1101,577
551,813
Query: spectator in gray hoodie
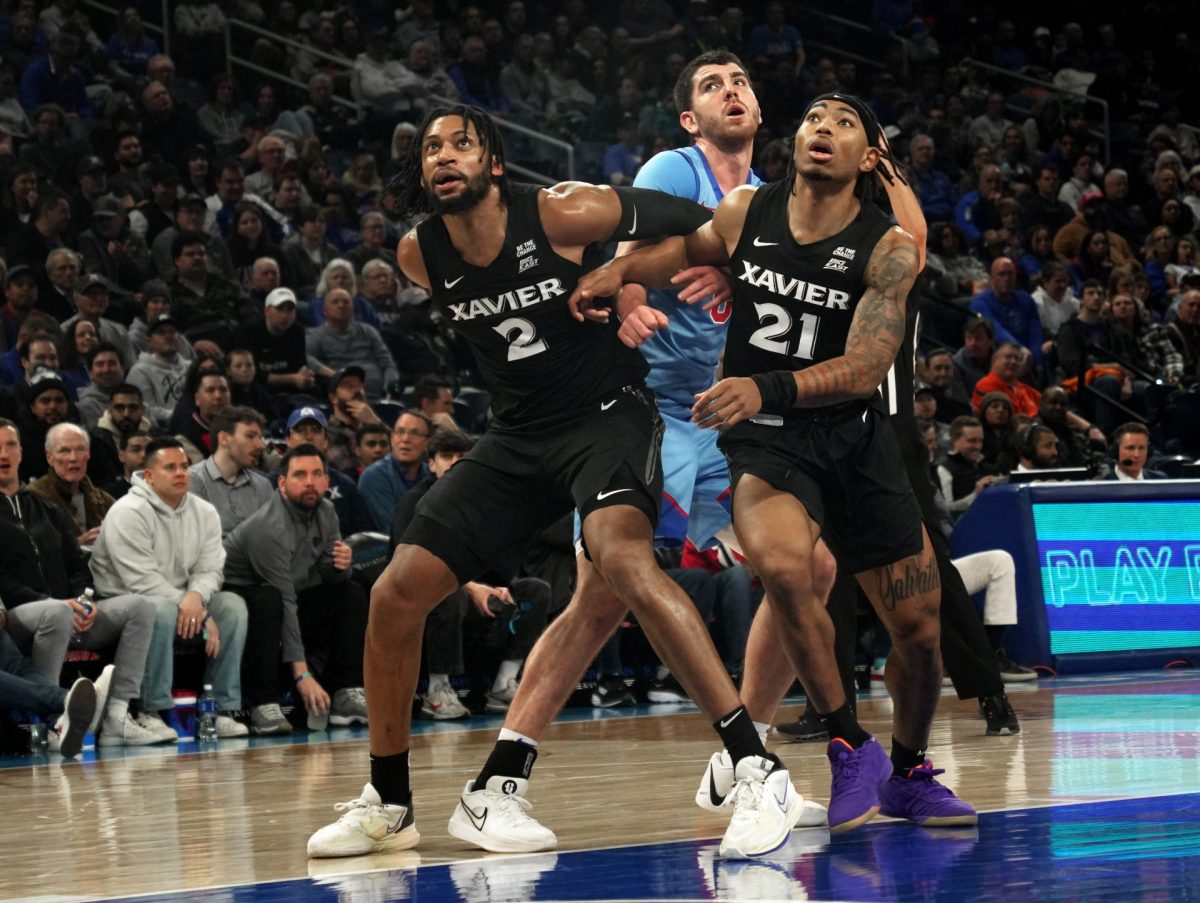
x,y
160,542
161,371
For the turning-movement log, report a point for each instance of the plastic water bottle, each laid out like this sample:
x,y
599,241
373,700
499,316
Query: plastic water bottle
x,y
206,721
88,600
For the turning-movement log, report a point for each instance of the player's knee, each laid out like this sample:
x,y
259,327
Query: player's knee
x,y
917,628
788,578
824,571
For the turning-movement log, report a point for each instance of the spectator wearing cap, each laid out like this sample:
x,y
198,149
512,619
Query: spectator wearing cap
x,y
46,403
277,342
350,412
210,398
230,479
160,371
342,342
48,223
123,416
309,424
67,486
110,248
56,293
92,179
208,305
155,300
384,482
91,303
20,295
1013,313
105,372
157,213
306,253
1091,218
189,217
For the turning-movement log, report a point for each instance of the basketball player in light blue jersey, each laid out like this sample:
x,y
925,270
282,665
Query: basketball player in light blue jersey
x,y
683,343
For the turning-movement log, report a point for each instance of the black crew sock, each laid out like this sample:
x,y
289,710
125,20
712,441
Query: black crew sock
x,y
510,759
905,759
739,736
995,635
842,725
389,777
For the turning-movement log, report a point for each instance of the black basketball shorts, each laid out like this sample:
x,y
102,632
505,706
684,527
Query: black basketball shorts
x,y
486,511
845,467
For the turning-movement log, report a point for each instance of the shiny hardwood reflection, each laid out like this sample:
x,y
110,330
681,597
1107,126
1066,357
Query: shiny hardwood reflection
x,y
173,820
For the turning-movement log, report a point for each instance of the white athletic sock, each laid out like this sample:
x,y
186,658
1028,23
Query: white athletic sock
x,y
438,680
506,734
662,673
763,730
508,670
117,709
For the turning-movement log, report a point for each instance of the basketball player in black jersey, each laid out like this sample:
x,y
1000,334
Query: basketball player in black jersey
x,y
821,282
573,427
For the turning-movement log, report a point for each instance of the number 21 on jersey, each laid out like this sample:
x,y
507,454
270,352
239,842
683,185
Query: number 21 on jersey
x,y
775,332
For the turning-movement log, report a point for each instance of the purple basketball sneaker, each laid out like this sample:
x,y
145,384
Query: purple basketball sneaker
x,y
858,776
921,799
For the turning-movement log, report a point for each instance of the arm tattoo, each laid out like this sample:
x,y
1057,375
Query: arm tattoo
x,y
896,583
876,333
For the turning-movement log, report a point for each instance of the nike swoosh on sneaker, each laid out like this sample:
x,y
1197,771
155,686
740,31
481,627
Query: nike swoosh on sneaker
x,y
450,283
759,243
476,819
395,829
782,803
713,795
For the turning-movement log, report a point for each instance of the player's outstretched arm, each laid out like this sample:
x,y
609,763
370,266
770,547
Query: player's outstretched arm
x,y
576,214
904,202
410,261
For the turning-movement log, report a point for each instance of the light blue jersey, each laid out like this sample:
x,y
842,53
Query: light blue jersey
x,y
683,357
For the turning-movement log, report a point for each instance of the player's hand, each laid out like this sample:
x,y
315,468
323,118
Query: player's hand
x,y
316,700
728,402
342,554
641,323
603,282
481,593
701,282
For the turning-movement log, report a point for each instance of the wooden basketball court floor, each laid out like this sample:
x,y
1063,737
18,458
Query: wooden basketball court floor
x,y
1097,798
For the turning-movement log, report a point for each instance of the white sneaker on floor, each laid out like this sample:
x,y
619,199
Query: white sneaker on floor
x,y
103,682
127,731
267,720
443,704
228,727
65,736
498,701
495,818
151,722
369,826
717,782
765,809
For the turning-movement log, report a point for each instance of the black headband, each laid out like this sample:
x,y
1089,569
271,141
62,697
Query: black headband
x,y
865,115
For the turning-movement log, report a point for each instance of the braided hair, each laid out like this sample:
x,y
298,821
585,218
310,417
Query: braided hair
x,y
408,188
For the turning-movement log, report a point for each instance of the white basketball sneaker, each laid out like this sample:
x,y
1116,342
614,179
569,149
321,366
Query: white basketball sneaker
x,y
495,819
369,826
717,782
765,809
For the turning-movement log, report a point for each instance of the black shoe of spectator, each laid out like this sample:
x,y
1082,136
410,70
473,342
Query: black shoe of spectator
x,y
1011,672
999,714
611,693
808,728
667,690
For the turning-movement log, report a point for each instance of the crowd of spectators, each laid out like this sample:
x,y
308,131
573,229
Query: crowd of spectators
x,y
199,281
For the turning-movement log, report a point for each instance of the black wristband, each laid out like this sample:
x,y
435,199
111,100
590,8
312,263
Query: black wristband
x,y
652,214
778,390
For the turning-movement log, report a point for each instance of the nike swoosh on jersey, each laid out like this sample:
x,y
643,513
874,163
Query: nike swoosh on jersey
x,y
633,227
605,405
450,283
601,496
759,243
476,819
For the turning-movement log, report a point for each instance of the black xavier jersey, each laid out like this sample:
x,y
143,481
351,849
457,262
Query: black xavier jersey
x,y
793,304
539,362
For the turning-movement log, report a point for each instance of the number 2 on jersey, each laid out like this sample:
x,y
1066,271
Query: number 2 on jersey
x,y
521,337
773,334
